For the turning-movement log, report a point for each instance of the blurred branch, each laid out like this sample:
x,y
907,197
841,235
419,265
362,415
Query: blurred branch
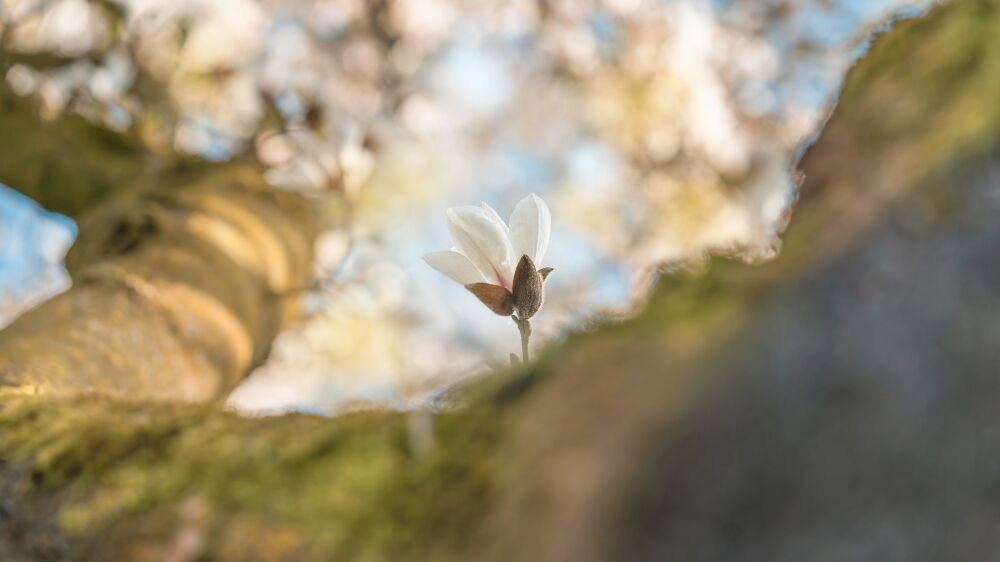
x,y
182,284
67,165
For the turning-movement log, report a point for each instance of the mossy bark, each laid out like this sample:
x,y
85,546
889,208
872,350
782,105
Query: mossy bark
x,y
837,403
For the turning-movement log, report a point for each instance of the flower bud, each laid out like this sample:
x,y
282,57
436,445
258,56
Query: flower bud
x,y
527,289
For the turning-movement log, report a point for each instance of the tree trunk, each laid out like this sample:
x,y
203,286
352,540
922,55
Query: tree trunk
x,y
837,403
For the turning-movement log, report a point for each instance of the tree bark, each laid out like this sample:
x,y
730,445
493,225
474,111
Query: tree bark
x,y
837,403
178,290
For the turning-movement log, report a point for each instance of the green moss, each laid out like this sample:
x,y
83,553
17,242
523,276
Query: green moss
x,y
926,93
353,485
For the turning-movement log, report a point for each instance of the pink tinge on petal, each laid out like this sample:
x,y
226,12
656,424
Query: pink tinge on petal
x,y
503,281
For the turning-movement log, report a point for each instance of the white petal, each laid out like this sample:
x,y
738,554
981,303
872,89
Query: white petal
x,y
491,213
484,242
454,265
530,227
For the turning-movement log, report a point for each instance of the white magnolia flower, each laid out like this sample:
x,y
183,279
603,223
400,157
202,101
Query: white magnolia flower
x,y
496,262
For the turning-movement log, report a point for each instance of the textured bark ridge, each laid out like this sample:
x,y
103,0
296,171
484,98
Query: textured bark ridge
x,y
838,403
178,289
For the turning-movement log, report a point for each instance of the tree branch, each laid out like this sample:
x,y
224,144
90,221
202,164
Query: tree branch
x,y
176,291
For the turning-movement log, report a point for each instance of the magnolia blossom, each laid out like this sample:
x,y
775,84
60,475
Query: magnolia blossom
x,y
496,262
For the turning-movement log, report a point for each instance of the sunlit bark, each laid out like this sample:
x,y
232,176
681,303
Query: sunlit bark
x,y
178,290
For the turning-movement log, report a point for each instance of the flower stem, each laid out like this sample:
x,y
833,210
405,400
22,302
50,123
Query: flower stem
x,y
523,326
